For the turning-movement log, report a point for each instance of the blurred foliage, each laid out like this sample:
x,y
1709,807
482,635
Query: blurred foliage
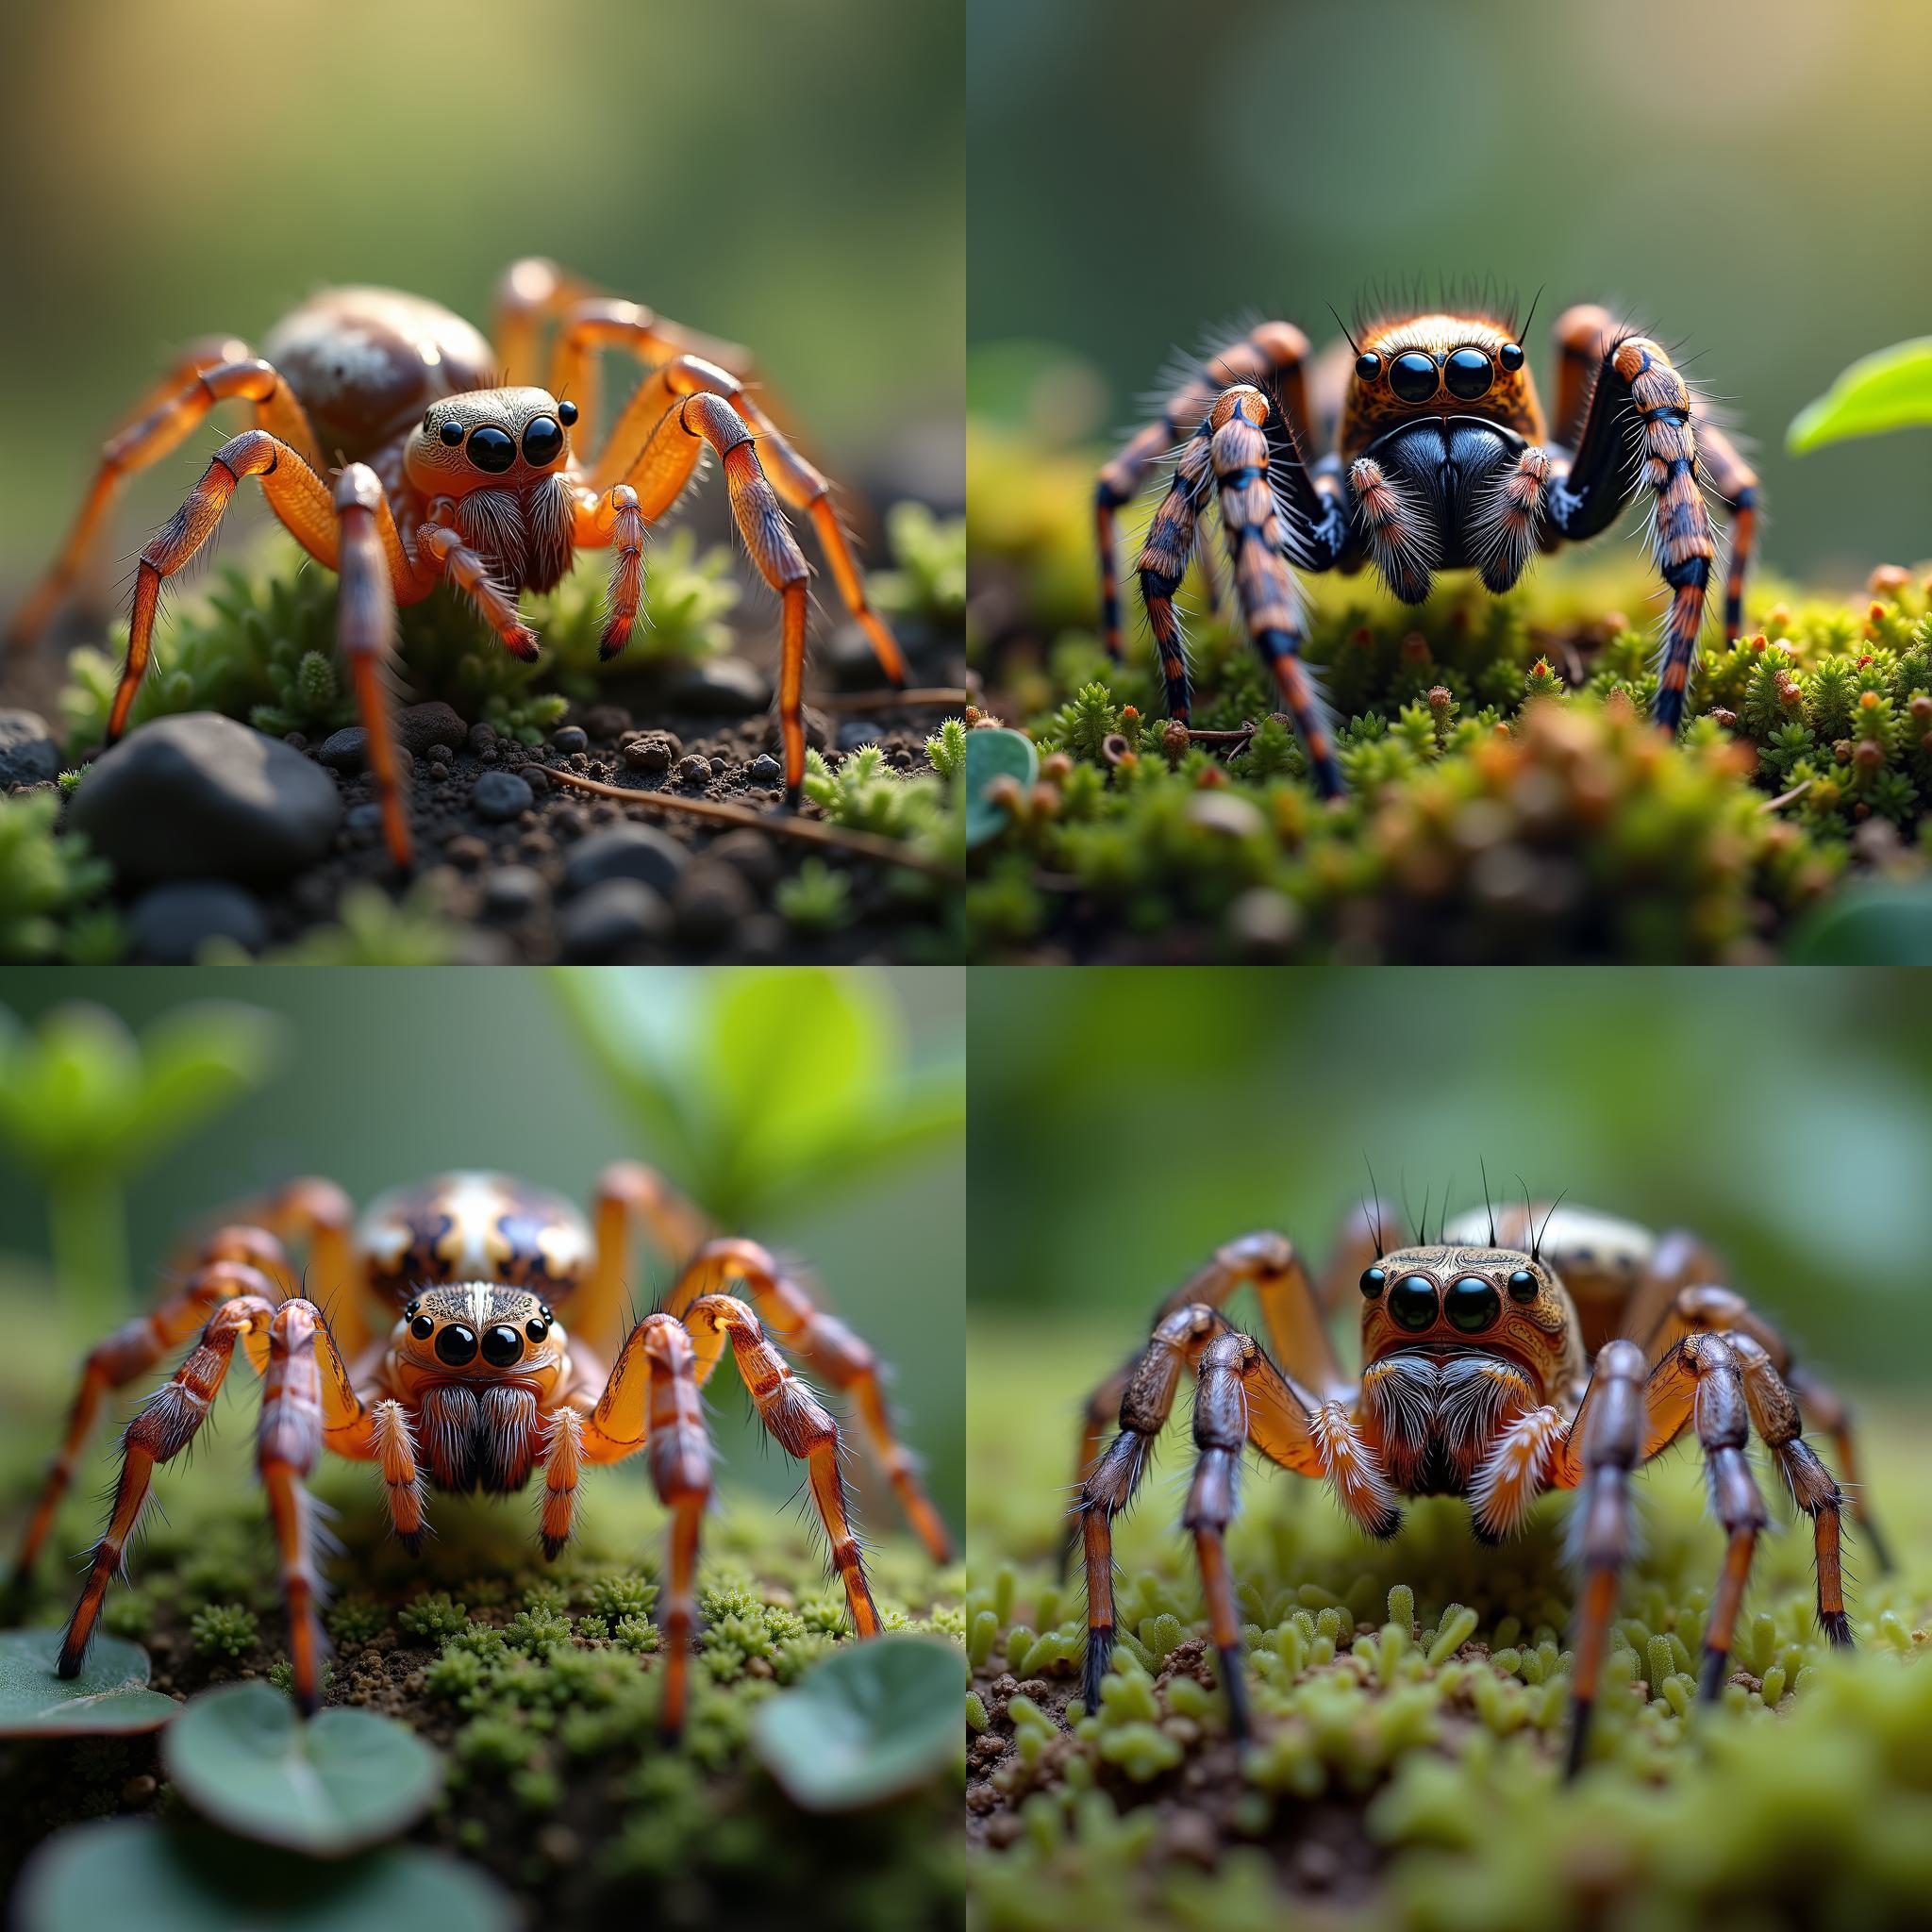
x,y
84,1104
1888,390
929,579
758,1088
1411,1700
48,885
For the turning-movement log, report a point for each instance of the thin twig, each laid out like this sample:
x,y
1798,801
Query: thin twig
x,y
891,700
1796,791
811,831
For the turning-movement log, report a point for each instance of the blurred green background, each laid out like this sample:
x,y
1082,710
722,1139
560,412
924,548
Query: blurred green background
x,y
388,1075
1748,177
1124,1122
790,177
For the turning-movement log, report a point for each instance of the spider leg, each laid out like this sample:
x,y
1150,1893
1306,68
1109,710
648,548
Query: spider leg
x,y
614,518
233,1261
830,1348
206,375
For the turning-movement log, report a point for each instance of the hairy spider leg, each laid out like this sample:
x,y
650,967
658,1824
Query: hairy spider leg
x,y
209,372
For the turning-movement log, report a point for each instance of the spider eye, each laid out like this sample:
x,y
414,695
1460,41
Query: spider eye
x,y
502,1345
451,432
1510,357
1471,1304
566,413
422,1327
1412,1303
1367,365
1412,377
1523,1285
492,449
1468,374
1373,1281
536,1330
457,1345
542,442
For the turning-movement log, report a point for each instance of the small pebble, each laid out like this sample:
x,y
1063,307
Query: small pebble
x,y
500,796
611,921
713,898
694,770
467,851
513,891
651,753
168,925
482,736
363,821
627,850
536,778
754,855
766,769
719,766
420,726
571,737
607,723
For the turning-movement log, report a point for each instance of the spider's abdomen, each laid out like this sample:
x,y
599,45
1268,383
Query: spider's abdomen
x,y
464,1227
365,364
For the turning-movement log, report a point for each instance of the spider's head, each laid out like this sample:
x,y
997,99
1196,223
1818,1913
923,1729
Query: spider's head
x,y
477,1331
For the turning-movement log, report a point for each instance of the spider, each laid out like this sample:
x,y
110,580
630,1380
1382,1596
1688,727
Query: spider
x,y
1510,1355
450,474
1438,458
471,1383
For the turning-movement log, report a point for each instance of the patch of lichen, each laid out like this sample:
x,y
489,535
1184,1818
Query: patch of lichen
x,y
1476,826
1411,1700
540,1682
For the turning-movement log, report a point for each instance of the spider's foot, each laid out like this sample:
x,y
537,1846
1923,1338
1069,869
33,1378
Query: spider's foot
x,y
1716,1669
1579,1740
1838,1627
412,1539
1099,1655
553,1547
794,797
615,635
73,1656
1235,1684
523,643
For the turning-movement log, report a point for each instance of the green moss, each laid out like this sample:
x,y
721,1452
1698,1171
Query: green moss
x,y
48,888
434,1615
928,578
817,898
225,1630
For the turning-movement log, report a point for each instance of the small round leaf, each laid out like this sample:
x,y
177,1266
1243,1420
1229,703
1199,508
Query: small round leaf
x,y
109,1696
345,1779
1876,924
186,1878
991,754
872,1721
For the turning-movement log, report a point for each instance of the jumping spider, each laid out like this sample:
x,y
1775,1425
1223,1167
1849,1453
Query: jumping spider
x,y
448,1365
449,472
1429,453
1518,1351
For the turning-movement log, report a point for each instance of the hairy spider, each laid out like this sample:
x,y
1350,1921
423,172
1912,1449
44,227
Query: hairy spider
x,y
1429,453
449,472
471,1382
1511,1356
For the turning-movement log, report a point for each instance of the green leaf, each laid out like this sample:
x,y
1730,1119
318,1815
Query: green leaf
x,y
1890,390
991,754
343,1780
872,1721
110,1696
197,1059
130,1872
1875,925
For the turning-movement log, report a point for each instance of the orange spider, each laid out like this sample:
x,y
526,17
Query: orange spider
x,y
476,1384
445,475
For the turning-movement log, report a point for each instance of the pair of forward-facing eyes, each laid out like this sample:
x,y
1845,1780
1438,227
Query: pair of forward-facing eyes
x,y
494,450
1415,376
457,1345
1471,1301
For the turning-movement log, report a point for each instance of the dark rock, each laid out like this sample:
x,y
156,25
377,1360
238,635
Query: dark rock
x,y
536,778
168,925
856,732
513,891
501,797
29,755
200,796
606,723
346,750
723,687
466,851
713,898
766,769
720,765
364,820
418,726
567,821
482,738
611,921
569,737
754,854
694,770
652,753
627,850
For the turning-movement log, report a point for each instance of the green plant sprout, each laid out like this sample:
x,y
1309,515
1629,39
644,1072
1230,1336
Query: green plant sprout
x,y
84,1104
49,888
761,1089
1891,389
929,553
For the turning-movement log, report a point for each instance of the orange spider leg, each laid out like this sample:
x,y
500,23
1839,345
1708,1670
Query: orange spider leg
x,y
629,1196
830,1348
206,375
563,1463
233,1261
614,518
532,293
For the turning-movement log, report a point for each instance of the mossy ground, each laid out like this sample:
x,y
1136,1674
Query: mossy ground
x,y
1411,1703
1507,800
540,1682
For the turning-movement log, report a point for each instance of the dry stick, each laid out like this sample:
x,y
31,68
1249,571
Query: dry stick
x,y
889,700
866,844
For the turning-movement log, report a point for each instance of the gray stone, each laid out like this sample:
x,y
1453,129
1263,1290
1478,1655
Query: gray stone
x,y
751,853
569,737
721,687
29,755
627,850
200,796
766,769
713,898
611,921
501,797
345,751
418,726
168,925
364,820
513,891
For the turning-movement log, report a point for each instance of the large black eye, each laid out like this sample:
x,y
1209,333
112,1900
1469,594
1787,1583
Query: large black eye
x,y
451,432
1367,365
537,1328
422,1328
543,441
1510,357
457,1345
1413,377
568,412
492,449
1468,374
502,1345
1412,1303
1373,1281
1523,1285
1471,1304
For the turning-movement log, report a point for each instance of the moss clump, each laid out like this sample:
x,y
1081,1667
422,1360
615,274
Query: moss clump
x,y
225,1630
929,579
50,888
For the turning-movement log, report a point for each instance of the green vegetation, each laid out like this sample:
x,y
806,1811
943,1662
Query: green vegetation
x,y
1411,1704
49,888
929,581
1888,390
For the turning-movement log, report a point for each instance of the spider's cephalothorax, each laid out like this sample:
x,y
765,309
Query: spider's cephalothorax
x,y
445,1361
1426,449
443,474
1517,1353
